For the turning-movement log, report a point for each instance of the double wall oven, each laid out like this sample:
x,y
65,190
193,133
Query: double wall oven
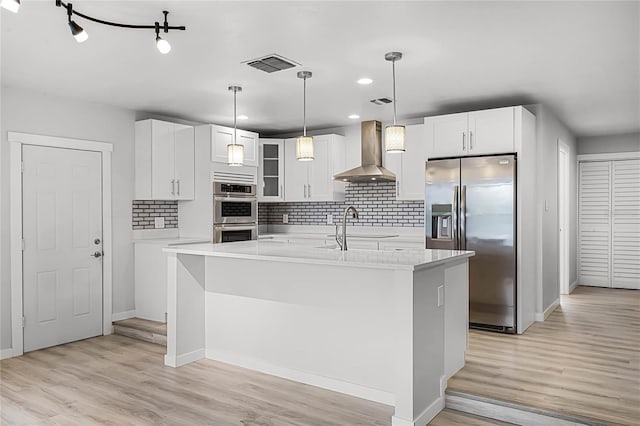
x,y
235,212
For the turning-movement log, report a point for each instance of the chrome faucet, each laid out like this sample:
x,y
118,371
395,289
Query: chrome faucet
x,y
342,239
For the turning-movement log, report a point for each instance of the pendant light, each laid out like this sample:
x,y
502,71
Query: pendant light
x,y
10,5
394,136
235,151
304,143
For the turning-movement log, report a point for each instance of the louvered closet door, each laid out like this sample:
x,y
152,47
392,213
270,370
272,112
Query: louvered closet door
x,y
625,244
595,224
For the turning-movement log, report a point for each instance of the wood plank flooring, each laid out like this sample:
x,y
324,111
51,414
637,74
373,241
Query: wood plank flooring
x,y
116,380
584,360
141,329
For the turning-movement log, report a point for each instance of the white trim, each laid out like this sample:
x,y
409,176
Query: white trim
x,y
7,353
329,383
609,156
565,267
542,316
425,417
573,286
16,141
119,316
57,142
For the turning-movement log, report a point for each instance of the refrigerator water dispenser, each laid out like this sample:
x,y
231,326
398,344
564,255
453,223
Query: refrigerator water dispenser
x,y
441,225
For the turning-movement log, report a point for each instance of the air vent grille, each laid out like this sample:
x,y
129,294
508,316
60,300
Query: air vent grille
x,y
381,101
271,63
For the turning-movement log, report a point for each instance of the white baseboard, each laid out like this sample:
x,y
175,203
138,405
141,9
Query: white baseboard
x,y
184,359
573,286
335,385
119,316
7,353
542,316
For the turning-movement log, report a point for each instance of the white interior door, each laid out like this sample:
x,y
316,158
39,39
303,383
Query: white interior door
x,y
62,229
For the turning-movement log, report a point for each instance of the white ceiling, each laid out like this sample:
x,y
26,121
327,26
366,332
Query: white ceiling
x,y
580,58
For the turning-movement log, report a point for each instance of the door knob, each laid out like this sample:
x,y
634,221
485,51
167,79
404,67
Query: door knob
x,y
97,254
97,241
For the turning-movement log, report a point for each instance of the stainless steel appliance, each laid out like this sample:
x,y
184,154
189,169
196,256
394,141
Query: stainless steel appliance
x,y
470,205
235,212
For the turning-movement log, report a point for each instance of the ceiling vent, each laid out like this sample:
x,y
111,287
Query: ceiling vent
x,y
381,101
271,63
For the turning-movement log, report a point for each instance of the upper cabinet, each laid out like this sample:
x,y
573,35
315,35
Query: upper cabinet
x,y
409,166
271,170
472,133
221,136
164,161
313,180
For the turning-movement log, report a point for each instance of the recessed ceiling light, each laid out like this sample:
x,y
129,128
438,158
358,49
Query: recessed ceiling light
x,y
243,117
354,116
365,80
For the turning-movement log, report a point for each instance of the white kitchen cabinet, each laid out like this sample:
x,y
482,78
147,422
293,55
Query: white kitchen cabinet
x,y
150,289
472,133
409,166
164,161
313,180
271,170
222,136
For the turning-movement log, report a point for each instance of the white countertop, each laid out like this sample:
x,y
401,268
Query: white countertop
x,y
170,241
409,259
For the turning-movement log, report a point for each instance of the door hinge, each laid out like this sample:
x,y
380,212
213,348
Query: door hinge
x,y
22,244
24,321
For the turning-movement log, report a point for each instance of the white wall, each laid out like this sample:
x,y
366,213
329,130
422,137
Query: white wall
x,y
627,142
548,131
33,112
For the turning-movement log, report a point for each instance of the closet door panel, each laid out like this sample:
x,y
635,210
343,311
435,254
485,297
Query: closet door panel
x,y
594,224
625,245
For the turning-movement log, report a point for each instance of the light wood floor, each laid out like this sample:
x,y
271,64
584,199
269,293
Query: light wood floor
x,y
584,360
116,380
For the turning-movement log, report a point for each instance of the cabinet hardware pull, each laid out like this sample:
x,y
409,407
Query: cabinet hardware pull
x,y
305,190
464,144
178,182
281,191
309,190
173,187
470,140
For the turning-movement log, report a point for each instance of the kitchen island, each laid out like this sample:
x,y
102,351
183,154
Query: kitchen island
x,y
388,326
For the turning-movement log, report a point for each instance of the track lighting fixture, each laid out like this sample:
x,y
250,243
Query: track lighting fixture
x,y
10,5
81,35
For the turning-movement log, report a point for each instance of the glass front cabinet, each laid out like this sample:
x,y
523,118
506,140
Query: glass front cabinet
x,y
271,170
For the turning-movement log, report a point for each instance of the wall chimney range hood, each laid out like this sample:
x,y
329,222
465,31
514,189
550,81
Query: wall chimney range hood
x,y
371,168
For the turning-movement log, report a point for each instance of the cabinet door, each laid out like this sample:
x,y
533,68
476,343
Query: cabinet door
x,y
296,174
250,142
162,160
491,131
320,170
220,138
411,179
271,170
450,138
184,163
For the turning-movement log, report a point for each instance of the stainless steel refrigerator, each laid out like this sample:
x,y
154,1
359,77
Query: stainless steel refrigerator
x,y
470,205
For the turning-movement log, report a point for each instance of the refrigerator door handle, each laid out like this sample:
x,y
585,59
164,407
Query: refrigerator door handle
x,y
454,218
463,218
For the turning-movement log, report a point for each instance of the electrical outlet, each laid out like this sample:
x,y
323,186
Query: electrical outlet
x,y
285,218
159,222
329,219
440,295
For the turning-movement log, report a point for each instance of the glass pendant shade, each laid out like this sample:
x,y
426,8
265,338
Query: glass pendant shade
x,y
235,154
304,148
394,138
10,5
163,45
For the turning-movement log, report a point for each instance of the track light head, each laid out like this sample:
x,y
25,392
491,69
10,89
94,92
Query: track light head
x,y
10,5
78,32
163,45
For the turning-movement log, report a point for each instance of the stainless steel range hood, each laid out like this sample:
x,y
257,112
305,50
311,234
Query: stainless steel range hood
x,y
371,168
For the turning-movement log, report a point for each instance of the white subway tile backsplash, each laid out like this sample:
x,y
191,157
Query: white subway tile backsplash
x,y
144,212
